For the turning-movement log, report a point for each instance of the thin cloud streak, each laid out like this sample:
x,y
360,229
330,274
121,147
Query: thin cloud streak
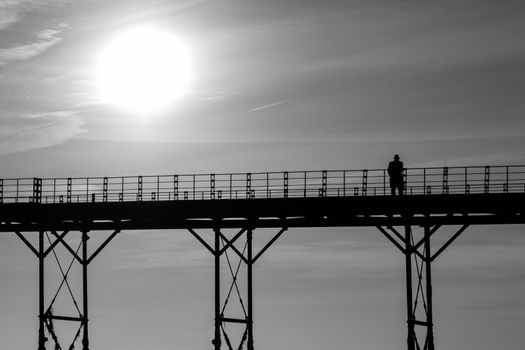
x,y
12,11
7,17
269,106
47,39
22,132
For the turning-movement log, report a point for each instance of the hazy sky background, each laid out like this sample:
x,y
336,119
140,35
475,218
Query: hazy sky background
x,y
278,85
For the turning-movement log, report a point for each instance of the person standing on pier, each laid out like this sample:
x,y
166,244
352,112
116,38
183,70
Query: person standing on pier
x,y
395,171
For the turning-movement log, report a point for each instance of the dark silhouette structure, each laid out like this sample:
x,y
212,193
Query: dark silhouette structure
x,y
56,209
395,171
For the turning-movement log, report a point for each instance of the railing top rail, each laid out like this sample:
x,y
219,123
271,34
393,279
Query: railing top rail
x,y
374,170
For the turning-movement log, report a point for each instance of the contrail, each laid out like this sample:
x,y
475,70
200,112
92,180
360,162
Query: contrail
x,y
268,106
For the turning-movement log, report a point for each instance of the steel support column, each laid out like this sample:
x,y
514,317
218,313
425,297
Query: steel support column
x,y
410,312
41,299
217,254
85,262
249,325
428,278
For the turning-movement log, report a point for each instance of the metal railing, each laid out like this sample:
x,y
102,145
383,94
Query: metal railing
x,y
287,184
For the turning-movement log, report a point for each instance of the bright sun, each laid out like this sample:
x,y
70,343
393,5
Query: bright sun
x,y
143,70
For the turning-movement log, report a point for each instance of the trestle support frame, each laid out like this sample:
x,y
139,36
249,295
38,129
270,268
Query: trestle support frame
x,y
418,277
221,248
45,307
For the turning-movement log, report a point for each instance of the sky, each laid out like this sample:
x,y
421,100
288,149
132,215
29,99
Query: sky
x,y
273,85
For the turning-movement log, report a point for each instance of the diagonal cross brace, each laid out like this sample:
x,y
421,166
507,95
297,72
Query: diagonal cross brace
x,y
33,249
269,244
64,280
452,239
230,243
199,238
61,239
54,244
234,280
422,240
391,239
399,235
27,243
99,249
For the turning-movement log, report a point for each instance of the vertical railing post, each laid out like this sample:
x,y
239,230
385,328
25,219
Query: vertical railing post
x,y
69,189
424,180
267,185
285,184
305,182
139,188
506,186
364,186
445,180
248,185
212,186
344,183
486,182
231,183
175,187
122,189
324,184
404,188
105,189
466,180
193,187
37,190
384,182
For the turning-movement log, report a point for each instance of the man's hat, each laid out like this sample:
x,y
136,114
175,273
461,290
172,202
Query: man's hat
x,y
396,157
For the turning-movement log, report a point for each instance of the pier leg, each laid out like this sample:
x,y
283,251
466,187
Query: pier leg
x,y
410,311
85,338
234,259
41,306
428,274
249,266
217,339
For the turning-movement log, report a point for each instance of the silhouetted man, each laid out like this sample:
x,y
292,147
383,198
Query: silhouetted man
x,y
395,170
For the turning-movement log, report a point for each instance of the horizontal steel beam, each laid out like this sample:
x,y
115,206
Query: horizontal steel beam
x,y
489,219
234,320
64,318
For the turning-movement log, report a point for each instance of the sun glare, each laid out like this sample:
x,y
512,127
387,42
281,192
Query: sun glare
x,y
143,70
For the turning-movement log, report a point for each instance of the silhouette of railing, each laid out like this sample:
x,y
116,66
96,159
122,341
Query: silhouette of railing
x,y
287,184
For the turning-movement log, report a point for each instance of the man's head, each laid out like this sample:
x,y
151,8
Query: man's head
x,y
396,157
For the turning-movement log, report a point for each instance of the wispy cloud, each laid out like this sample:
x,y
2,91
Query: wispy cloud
x,y
268,106
12,11
8,16
20,132
45,39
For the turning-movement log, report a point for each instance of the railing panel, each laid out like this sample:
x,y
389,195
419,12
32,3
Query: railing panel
x,y
287,184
